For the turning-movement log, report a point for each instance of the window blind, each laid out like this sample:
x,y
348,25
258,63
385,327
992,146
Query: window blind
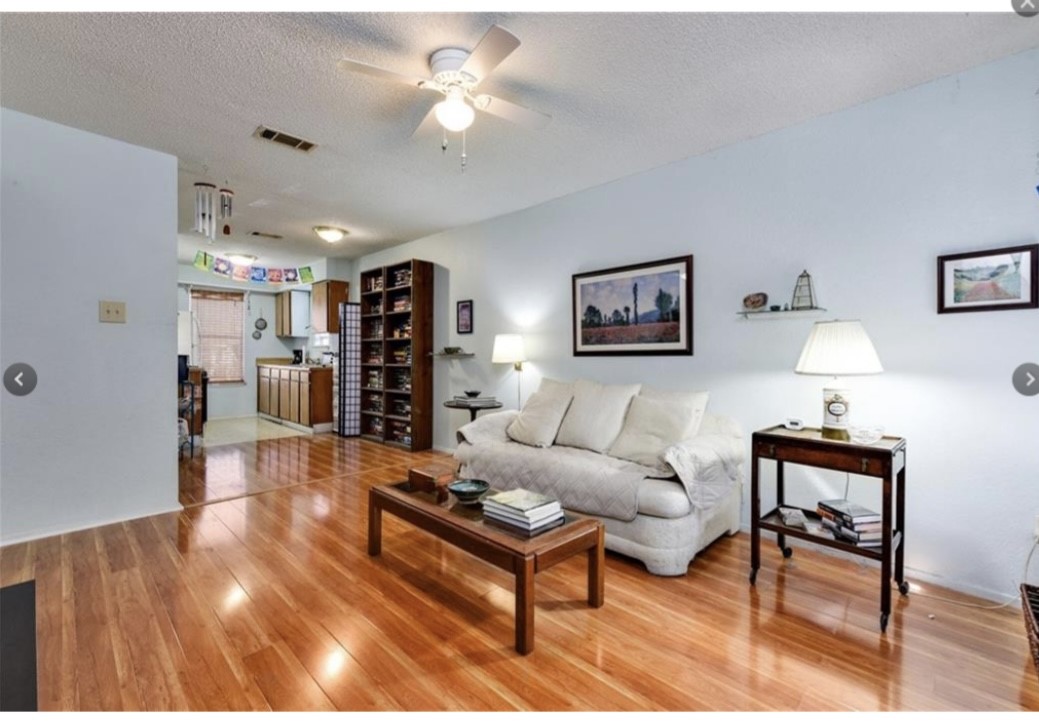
x,y
221,344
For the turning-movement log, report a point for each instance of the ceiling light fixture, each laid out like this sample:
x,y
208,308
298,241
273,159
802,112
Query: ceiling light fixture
x,y
454,113
241,258
329,233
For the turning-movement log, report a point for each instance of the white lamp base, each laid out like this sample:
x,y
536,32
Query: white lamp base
x,y
836,412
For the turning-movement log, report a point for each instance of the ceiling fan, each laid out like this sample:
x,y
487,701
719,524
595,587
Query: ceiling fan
x,y
456,73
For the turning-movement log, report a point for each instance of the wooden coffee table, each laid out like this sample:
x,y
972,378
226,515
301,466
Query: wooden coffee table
x,y
463,526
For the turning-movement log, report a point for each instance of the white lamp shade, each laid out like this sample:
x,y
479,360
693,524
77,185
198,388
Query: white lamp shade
x,y
838,348
454,114
508,349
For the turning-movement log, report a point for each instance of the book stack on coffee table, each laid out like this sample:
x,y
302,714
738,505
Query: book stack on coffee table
x,y
522,511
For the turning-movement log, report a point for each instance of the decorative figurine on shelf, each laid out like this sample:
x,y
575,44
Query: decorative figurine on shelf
x,y
804,295
755,301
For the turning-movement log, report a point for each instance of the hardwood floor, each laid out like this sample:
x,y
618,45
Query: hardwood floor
x,y
271,602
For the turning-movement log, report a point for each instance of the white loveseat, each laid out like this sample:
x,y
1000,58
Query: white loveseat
x,y
675,488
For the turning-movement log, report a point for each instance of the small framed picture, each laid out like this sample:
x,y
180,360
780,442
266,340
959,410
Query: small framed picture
x,y
464,316
1001,279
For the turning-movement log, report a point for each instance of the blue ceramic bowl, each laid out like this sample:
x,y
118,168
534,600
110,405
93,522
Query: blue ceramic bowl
x,y
469,491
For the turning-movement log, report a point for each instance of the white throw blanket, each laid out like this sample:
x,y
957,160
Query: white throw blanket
x,y
707,467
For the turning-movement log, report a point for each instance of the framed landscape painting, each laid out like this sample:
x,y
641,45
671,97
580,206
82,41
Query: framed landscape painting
x,y
644,309
1002,279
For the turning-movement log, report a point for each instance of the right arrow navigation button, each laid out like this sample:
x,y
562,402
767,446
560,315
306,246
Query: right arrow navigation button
x,y
1026,379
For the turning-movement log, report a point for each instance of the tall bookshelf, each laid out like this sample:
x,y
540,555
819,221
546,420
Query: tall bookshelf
x,y
396,355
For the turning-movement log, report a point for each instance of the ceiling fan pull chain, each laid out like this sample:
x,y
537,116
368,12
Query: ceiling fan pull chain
x,y
464,157
443,143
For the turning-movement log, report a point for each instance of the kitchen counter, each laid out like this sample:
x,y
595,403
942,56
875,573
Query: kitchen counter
x,y
300,395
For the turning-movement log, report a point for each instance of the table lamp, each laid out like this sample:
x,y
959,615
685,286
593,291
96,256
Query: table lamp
x,y
508,348
838,348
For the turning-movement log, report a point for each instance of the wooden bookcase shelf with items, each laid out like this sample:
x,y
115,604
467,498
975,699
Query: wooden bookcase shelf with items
x,y
396,360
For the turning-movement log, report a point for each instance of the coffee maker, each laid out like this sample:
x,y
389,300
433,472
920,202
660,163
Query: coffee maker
x,y
297,357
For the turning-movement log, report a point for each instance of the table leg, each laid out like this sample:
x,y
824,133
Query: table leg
x,y
597,570
900,524
755,516
781,500
374,526
885,556
525,605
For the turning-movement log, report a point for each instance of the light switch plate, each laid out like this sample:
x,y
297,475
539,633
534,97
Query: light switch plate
x,y
112,311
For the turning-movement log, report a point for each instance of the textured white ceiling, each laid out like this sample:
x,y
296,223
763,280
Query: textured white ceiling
x,y
627,92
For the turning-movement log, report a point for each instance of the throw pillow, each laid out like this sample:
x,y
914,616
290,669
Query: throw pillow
x,y
596,415
651,426
695,401
538,422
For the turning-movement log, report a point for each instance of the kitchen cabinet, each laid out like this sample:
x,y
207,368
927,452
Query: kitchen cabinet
x,y
325,297
298,394
292,314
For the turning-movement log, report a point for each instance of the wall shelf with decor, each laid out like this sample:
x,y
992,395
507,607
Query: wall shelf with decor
x,y
397,355
441,354
773,314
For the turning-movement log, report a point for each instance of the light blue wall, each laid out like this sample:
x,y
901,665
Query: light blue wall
x,y
865,200
96,442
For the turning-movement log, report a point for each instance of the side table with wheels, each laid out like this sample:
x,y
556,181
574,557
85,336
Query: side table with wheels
x,y
885,460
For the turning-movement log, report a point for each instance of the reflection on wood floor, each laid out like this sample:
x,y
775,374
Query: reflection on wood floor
x,y
271,602
242,469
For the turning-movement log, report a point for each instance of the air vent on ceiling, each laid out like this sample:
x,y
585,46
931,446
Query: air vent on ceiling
x,y
271,236
276,136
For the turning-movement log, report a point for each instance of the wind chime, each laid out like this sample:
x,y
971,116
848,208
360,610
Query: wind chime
x,y
205,209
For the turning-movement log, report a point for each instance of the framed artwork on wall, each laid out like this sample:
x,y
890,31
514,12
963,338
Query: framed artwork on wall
x,y
1000,279
464,316
643,309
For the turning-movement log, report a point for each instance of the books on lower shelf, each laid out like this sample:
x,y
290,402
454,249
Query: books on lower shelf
x,y
848,512
523,510
852,523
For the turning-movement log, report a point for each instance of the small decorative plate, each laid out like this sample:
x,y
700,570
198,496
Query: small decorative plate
x,y
257,335
755,301
260,324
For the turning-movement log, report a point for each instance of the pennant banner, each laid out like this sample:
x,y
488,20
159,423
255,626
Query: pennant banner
x,y
252,273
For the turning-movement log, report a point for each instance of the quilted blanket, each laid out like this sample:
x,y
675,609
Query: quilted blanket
x,y
590,482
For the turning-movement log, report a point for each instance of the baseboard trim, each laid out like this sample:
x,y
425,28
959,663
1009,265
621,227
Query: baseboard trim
x,y
60,530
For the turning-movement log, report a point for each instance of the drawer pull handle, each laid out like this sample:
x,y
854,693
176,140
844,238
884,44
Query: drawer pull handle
x,y
772,450
865,465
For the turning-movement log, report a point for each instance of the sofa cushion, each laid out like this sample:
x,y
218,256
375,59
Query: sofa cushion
x,y
663,499
538,422
651,426
596,415
696,401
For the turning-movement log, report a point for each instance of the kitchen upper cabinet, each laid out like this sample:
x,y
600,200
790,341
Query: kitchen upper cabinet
x,y
292,314
325,297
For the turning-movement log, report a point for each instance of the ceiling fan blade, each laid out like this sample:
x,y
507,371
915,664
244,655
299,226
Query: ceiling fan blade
x,y
513,113
381,73
496,45
428,124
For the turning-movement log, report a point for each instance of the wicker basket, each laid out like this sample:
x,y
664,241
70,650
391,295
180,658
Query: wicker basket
x,y
1030,607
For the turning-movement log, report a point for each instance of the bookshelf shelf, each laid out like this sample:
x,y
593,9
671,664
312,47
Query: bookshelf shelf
x,y
883,460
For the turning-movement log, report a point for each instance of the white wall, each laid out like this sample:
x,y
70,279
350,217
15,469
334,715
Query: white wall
x,y
865,199
85,218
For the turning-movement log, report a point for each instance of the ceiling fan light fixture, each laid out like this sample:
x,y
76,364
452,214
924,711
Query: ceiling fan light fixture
x,y
241,258
329,234
454,113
